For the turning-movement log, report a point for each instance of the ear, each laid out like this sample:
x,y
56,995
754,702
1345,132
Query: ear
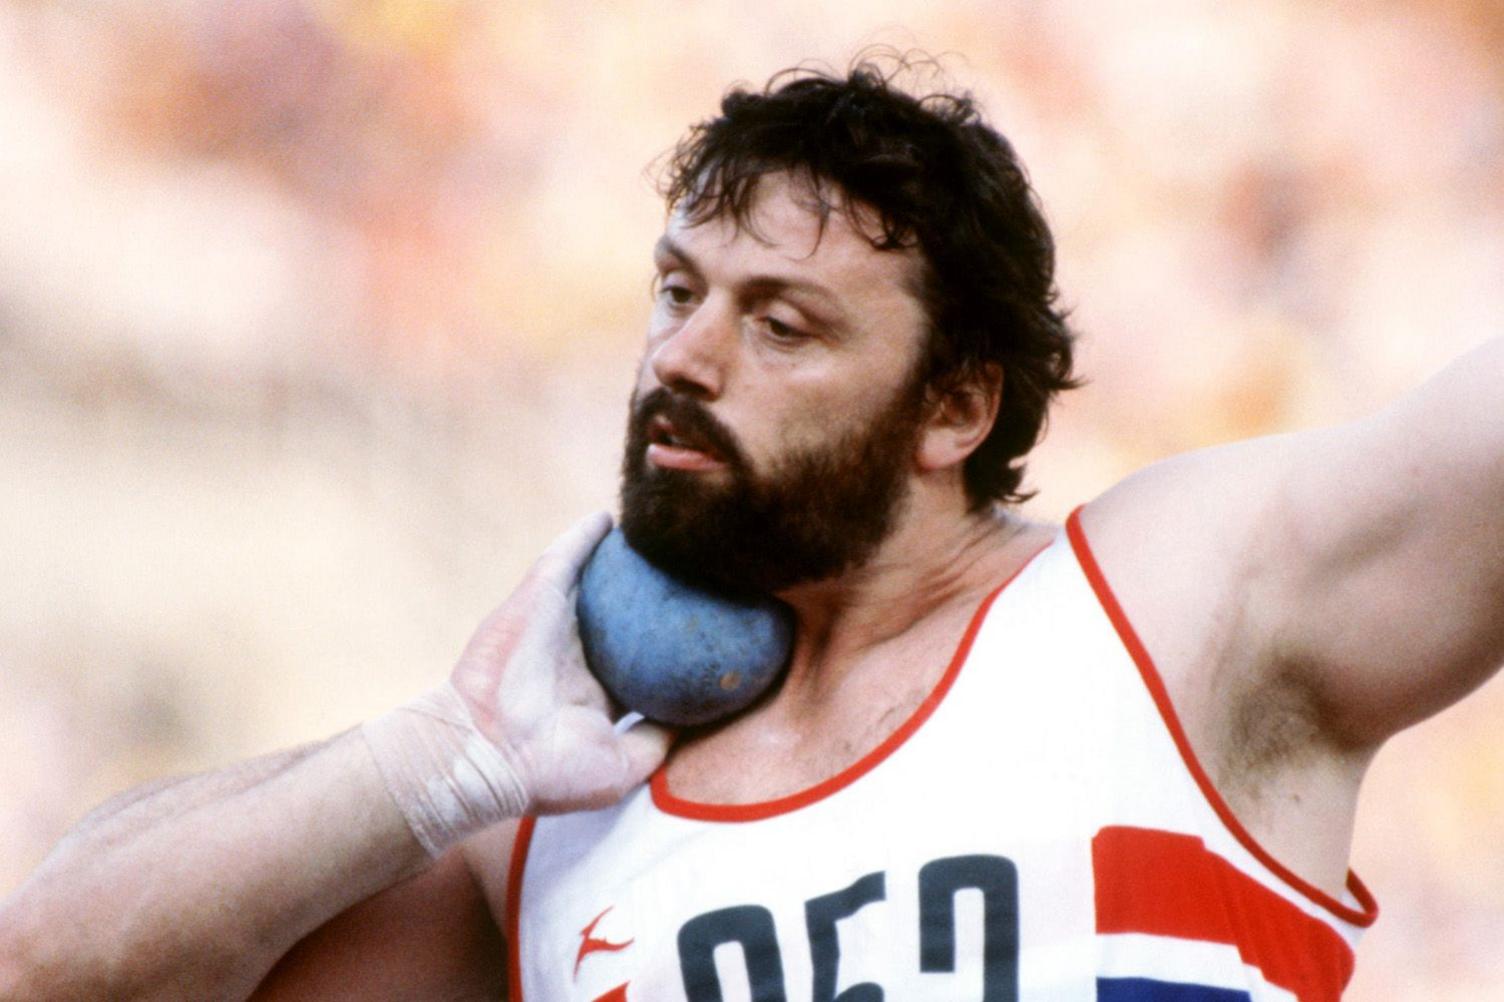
x,y
960,417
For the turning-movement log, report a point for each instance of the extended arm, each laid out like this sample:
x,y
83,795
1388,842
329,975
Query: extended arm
x,y
1362,563
1393,532
195,889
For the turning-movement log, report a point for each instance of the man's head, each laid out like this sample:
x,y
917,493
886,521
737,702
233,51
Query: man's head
x,y
864,221
938,180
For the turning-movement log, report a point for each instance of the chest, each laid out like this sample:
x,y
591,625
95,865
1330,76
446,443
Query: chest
x,y
977,874
1029,831
761,764
815,729
923,889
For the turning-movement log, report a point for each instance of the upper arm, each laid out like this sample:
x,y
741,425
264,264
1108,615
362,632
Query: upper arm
x,y
1394,529
1367,560
432,936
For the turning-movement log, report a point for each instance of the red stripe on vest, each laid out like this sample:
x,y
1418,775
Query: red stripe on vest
x,y
1167,884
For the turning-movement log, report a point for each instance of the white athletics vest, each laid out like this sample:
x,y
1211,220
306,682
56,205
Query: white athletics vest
x,y
1038,830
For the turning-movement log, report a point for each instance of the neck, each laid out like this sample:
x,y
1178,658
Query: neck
x,y
938,558
869,646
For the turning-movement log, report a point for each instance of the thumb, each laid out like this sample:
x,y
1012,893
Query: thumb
x,y
645,745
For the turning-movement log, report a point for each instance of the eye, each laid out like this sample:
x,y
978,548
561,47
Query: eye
x,y
781,331
674,292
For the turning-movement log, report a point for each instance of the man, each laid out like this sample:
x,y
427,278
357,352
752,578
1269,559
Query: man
x,y
1117,760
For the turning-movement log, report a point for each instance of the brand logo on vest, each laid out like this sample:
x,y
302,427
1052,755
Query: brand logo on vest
x,y
590,943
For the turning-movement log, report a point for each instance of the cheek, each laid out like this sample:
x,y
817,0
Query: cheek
x,y
807,425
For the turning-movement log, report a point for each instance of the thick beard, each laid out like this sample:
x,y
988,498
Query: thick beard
x,y
817,513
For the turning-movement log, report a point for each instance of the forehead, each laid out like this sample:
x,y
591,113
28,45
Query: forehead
x,y
785,237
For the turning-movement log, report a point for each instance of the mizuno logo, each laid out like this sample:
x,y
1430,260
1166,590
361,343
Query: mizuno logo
x,y
590,943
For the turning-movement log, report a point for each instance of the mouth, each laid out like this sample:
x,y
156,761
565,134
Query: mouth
x,y
673,448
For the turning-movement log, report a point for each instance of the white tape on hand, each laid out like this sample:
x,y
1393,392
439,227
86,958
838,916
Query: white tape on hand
x,y
446,777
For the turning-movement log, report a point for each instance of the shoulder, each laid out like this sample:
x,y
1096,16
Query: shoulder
x,y
1208,558
1196,550
450,945
1198,553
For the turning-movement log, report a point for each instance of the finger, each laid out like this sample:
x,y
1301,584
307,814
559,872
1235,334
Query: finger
x,y
646,745
561,563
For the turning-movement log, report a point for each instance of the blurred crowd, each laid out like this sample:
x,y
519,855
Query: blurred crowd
x,y
318,317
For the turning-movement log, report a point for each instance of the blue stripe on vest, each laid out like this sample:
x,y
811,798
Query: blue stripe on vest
x,y
1147,990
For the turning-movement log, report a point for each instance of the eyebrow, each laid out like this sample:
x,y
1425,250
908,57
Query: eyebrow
x,y
667,246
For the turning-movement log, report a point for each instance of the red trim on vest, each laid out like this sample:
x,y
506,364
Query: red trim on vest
x,y
1155,684
1168,884
514,907
667,802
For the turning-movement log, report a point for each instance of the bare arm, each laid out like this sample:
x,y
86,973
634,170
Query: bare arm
x,y
434,936
196,888
429,937
1399,608
194,891
1364,561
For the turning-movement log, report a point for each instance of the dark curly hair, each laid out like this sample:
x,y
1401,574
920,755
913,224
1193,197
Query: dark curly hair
x,y
935,176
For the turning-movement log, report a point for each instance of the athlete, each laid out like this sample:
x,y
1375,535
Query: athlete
x,y
1116,759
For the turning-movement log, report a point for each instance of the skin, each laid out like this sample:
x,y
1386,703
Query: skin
x,y
1304,597
198,887
800,367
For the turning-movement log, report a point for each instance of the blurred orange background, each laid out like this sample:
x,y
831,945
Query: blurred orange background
x,y
318,318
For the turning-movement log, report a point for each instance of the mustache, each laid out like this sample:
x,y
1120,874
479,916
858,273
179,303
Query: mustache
x,y
692,422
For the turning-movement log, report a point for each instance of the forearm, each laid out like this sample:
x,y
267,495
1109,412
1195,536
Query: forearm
x,y
196,889
171,796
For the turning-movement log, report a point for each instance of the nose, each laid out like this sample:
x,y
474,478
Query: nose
x,y
692,356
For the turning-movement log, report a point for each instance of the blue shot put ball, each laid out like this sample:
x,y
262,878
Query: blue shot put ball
x,y
674,652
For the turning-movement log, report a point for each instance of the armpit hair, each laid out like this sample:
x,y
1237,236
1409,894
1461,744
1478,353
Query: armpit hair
x,y
1280,722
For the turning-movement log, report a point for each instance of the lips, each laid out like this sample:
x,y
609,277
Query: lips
x,y
674,449
663,431
681,434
